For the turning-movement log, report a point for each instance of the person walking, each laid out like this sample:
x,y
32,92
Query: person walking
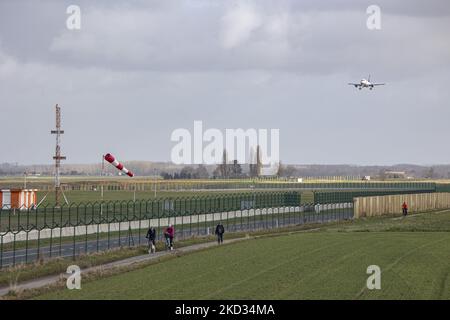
x,y
220,230
169,234
405,208
151,236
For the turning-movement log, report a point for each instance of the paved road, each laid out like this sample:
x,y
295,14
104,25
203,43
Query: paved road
x,y
19,256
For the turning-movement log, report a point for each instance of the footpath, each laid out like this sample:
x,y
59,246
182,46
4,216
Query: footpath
x,y
115,265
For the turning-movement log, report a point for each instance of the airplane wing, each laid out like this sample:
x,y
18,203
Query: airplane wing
x,y
355,84
378,84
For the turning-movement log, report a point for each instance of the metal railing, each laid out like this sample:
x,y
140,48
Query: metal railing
x,y
70,231
348,196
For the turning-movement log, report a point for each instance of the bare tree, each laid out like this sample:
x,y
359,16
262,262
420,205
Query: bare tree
x,y
236,170
382,175
255,168
222,170
280,171
258,161
201,172
430,173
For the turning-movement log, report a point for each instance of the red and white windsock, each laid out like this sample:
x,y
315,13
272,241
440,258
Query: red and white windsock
x,y
110,158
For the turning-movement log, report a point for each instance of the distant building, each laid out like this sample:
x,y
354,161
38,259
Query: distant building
x,y
22,199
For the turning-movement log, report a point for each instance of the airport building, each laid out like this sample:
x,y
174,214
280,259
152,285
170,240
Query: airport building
x,y
22,199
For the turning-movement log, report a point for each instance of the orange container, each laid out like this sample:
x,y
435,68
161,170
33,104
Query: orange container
x,y
22,199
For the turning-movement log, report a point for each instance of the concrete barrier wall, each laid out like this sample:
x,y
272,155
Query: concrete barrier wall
x,y
392,205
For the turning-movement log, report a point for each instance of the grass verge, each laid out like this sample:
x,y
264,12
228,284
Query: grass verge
x,y
14,275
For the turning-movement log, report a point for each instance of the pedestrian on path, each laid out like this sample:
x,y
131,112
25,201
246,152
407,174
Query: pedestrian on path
x,y
405,208
220,230
169,234
151,236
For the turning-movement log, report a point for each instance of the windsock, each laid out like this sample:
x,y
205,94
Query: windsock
x,y
110,158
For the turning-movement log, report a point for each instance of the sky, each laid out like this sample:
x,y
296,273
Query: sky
x,y
136,71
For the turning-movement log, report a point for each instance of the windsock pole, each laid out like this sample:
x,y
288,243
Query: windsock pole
x,y
110,158
102,183
103,173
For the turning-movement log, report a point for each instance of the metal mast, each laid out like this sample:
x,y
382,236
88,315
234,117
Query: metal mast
x,y
58,156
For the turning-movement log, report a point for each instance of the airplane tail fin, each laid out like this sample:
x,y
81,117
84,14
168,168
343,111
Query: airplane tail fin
x,y
368,78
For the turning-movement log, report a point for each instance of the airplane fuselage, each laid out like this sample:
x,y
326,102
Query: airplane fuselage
x,y
365,83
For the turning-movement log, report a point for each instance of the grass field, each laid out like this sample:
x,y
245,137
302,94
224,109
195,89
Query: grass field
x,y
95,196
76,197
413,254
87,188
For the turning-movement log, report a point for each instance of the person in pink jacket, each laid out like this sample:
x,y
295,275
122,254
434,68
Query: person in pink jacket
x,y
169,234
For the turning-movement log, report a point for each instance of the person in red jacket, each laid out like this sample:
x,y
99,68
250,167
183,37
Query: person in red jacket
x,y
169,234
405,208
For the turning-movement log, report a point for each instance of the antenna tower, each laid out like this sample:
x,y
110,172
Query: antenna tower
x,y
57,157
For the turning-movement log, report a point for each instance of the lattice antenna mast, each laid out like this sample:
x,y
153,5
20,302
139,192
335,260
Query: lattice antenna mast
x,y
58,156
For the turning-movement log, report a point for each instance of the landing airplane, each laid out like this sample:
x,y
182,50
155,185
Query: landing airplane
x,y
365,83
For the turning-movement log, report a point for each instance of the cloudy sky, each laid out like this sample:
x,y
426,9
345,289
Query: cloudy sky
x,y
138,70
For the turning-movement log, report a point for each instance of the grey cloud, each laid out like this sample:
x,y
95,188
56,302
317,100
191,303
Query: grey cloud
x,y
138,70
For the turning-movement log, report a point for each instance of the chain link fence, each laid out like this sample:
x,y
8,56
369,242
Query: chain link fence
x,y
231,184
69,231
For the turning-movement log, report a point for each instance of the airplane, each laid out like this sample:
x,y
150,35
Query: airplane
x,y
365,83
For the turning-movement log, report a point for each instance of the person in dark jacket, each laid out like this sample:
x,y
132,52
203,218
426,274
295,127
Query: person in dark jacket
x,y
220,230
151,236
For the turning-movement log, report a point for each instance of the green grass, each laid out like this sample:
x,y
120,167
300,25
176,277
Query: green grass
x,y
54,266
169,188
44,268
123,195
77,197
413,254
437,221
59,265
